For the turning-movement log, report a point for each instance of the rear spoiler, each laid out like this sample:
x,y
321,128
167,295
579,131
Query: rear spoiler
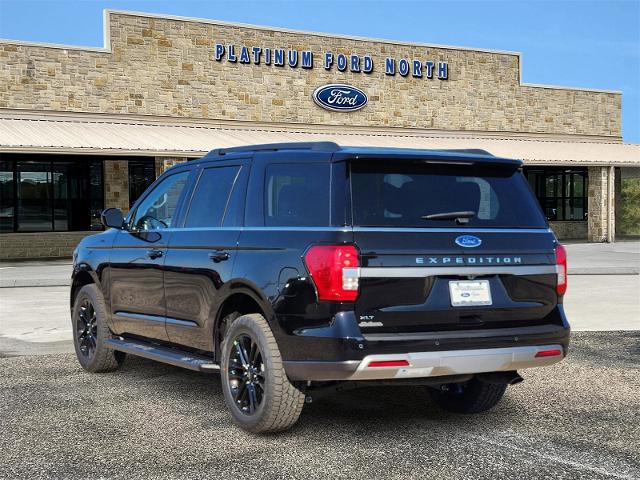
x,y
448,158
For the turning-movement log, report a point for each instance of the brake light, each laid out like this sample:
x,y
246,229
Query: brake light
x,y
549,353
334,271
561,264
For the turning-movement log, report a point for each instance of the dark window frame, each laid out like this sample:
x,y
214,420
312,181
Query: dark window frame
x,y
144,164
564,195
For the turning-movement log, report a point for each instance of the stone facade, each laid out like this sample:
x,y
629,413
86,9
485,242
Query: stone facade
x,y
569,230
601,214
116,184
164,163
162,66
15,246
166,67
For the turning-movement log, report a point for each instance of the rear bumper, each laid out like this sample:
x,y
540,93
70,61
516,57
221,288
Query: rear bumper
x,y
341,351
426,364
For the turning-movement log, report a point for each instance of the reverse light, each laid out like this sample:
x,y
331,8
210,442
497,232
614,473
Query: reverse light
x,y
549,353
561,264
389,363
335,271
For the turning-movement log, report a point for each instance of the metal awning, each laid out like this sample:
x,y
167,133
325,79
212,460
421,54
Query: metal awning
x,y
177,137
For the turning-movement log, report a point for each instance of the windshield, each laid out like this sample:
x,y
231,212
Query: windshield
x,y
435,195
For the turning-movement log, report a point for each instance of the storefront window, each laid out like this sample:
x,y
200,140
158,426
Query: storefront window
x,y
562,192
142,173
34,197
7,199
44,193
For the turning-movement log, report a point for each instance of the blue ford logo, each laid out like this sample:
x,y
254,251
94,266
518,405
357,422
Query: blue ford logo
x,y
468,241
340,98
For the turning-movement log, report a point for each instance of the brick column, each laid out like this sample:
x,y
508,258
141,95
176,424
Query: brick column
x,y
601,219
164,163
116,184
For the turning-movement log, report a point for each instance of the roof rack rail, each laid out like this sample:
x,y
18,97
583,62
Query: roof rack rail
x,y
477,151
315,146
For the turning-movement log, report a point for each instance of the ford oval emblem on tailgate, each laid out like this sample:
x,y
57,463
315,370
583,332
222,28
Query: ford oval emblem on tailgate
x,y
340,98
468,241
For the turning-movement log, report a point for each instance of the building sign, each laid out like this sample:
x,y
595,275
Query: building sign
x,y
280,57
340,98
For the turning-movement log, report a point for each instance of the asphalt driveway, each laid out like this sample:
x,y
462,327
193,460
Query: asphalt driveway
x,y
578,419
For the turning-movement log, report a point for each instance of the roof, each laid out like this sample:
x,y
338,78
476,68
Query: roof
x,y
33,132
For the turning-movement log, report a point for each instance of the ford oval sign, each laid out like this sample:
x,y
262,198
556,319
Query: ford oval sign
x,y
340,98
468,241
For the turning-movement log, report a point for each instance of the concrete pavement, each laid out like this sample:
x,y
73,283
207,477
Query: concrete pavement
x,y
619,258
36,273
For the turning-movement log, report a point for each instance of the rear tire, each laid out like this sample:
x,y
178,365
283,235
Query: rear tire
x,y
256,388
474,396
90,331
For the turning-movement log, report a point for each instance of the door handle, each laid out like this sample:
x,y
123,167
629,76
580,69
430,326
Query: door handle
x,y
218,257
153,253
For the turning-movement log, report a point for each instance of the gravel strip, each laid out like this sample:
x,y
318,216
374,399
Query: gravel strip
x,y
578,419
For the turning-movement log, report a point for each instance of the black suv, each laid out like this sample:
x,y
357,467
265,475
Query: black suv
x,y
299,269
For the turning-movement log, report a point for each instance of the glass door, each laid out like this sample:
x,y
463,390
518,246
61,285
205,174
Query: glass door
x,y
34,197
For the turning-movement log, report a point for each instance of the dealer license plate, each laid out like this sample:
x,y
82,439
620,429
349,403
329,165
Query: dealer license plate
x,y
470,293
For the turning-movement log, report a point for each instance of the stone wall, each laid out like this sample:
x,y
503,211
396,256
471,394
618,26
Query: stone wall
x,y
167,67
164,163
15,246
116,184
574,230
598,221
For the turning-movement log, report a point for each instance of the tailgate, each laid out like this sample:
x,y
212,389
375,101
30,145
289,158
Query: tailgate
x,y
450,246
410,288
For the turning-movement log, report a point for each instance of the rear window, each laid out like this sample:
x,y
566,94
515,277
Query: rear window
x,y
399,195
297,195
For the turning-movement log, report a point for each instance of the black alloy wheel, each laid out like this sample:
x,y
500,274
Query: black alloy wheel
x,y
246,374
87,329
255,386
90,331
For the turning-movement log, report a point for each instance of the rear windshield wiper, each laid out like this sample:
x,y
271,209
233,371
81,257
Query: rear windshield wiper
x,y
460,217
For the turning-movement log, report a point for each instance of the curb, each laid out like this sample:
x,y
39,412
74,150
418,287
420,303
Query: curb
x,y
22,283
604,271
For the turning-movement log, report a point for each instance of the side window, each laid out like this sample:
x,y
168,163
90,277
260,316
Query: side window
x,y
297,195
211,197
157,210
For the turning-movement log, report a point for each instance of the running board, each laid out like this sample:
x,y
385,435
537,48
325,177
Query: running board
x,y
172,356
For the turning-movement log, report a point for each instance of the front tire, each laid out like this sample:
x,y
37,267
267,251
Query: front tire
x,y
256,388
474,396
90,331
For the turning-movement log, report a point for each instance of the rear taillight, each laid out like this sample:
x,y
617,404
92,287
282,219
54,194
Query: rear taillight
x,y
561,264
334,270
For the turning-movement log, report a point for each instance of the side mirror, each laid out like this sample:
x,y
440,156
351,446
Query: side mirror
x,y
112,218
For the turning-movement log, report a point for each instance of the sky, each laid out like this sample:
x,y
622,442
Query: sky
x,y
577,43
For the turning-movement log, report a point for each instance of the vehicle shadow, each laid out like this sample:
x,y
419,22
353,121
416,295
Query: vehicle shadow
x,y
363,409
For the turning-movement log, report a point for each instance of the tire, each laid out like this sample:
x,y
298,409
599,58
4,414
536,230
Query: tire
x,y
260,397
474,396
90,331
